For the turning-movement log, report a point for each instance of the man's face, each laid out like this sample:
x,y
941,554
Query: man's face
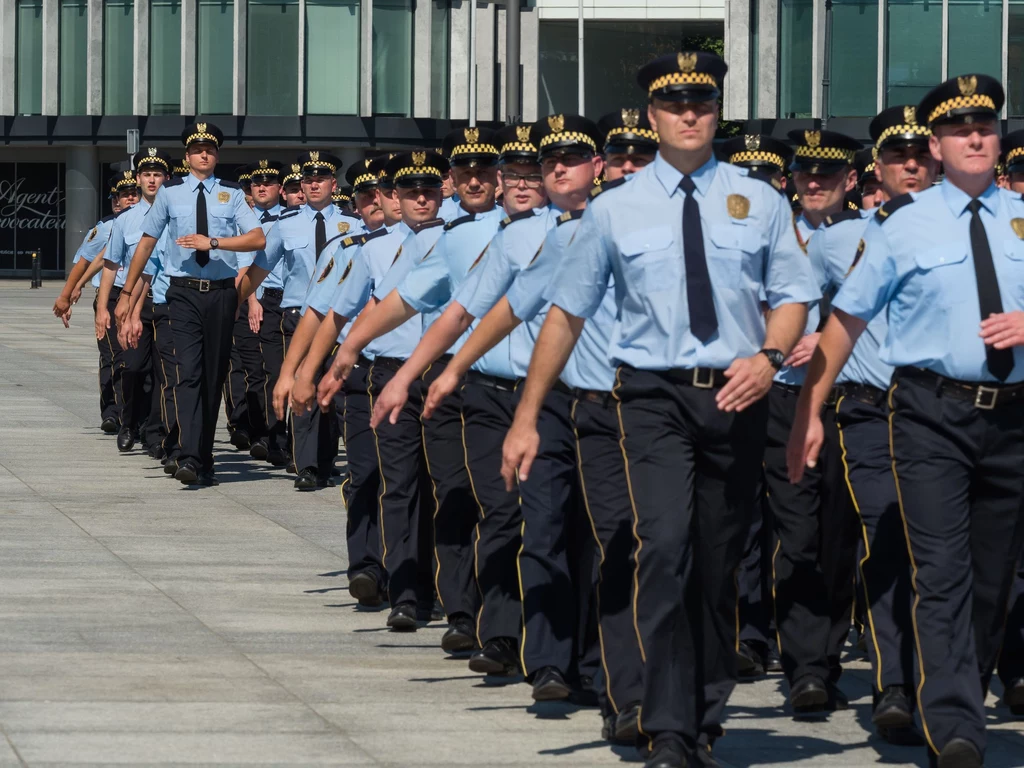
x,y
618,164
389,203
447,186
821,192
128,196
293,194
266,194
202,156
318,187
418,204
115,204
1016,182
684,125
871,193
522,186
905,168
966,148
150,181
476,184
368,207
570,173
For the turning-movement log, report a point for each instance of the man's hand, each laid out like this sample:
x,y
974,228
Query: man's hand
x,y
518,452
194,242
255,314
329,386
122,309
102,322
390,401
443,386
130,333
1004,330
303,393
76,294
282,393
61,306
66,319
749,379
805,441
345,360
803,351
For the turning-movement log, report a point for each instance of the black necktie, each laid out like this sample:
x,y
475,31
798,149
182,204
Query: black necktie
x,y
321,233
265,218
1000,361
202,228
703,320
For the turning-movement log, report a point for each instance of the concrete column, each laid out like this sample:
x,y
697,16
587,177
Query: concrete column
x,y
81,203
817,58
735,102
240,28
8,10
421,45
189,36
529,56
459,67
51,57
301,90
94,60
767,59
486,56
500,42
513,58
140,85
366,58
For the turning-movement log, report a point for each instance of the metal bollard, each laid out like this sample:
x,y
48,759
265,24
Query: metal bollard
x,y
37,280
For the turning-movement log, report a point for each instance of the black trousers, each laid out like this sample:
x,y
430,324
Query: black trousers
x,y
244,390
201,327
314,437
110,404
167,367
487,415
455,510
961,495
884,564
272,348
605,487
362,482
556,559
692,471
406,497
815,558
136,376
1011,658
756,607
116,360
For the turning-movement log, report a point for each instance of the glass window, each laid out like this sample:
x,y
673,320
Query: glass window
x,y
559,64
440,58
914,50
74,43
332,57
1015,60
795,56
29,43
165,57
118,56
272,49
215,73
976,38
854,62
392,57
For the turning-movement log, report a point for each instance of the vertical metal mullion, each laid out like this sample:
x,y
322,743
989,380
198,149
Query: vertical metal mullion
x,y
1006,52
945,40
142,43
883,13
366,58
302,58
189,42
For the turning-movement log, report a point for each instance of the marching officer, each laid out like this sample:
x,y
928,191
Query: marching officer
x,y
365,201
868,186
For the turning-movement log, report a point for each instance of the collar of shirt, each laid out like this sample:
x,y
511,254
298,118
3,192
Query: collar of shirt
x,y
670,176
404,229
470,213
311,212
193,182
805,226
957,199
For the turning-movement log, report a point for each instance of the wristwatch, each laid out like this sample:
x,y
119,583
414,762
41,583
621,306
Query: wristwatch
x,y
214,242
775,357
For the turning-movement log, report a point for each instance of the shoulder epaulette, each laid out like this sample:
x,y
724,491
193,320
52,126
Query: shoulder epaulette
x,y
122,211
517,217
767,178
105,219
268,218
288,213
229,184
427,225
174,182
847,215
891,206
569,216
351,240
379,232
604,186
461,220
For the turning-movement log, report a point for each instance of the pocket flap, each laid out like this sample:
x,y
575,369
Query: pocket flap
x,y
645,241
736,237
181,210
940,256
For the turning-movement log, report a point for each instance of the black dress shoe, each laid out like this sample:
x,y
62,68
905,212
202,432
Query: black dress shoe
x,y
626,729
772,662
750,664
959,753
240,439
335,472
170,465
808,694
208,479
1013,697
437,611
125,439
460,635
668,756
188,473
584,694
259,450
704,758
109,425
278,458
306,481
837,700
892,710
549,685
324,481
156,451
366,589
290,469
499,656
403,618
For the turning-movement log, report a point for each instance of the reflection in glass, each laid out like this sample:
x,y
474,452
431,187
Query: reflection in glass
x,y
392,57
332,57
165,57
272,50
215,71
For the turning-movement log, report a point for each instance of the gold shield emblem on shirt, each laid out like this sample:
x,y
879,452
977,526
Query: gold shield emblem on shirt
x,y
738,206
327,270
343,227
397,254
1018,227
478,258
223,197
856,256
96,231
345,273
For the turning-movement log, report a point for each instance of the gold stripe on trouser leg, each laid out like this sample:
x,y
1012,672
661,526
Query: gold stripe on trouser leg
x,y
229,396
344,437
775,611
476,528
437,504
522,591
383,481
113,389
913,577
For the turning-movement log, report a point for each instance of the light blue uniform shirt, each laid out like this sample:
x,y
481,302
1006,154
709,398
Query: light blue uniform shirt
x,y
124,239
918,262
450,208
808,234
94,243
276,277
837,246
634,233
174,209
379,255
161,281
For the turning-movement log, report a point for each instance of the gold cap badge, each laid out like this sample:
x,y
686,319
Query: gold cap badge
x,y
418,158
631,118
813,138
296,168
201,127
967,85
738,206
910,115
314,156
264,163
472,135
556,123
752,142
687,62
523,132
152,151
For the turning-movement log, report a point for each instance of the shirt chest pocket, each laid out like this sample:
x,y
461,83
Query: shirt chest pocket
x,y
944,274
184,216
1011,269
221,220
736,247
651,259
295,242
132,239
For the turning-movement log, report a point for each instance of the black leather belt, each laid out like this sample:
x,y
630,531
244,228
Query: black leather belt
x,y
492,382
363,362
862,393
273,293
701,378
390,363
794,391
444,359
984,396
558,386
202,285
594,396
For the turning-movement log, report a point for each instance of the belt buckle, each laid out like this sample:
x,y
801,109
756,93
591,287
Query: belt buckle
x,y
709,384
204,285
986,398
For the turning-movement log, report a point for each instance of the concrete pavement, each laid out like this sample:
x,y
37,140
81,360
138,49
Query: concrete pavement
x,y
144,623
